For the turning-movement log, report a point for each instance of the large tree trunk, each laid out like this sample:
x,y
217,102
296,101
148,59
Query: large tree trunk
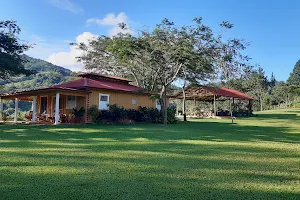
x,y
250,107
163,96
165,108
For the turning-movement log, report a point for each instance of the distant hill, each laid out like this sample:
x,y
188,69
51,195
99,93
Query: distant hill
x,y
46,75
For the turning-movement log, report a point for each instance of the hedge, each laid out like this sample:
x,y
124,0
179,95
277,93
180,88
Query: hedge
x,y
118,114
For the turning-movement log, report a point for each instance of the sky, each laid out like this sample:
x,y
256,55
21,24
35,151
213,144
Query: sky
x,y
271,26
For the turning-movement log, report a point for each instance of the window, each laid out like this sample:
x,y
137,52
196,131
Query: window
x,y
133,101
71,102
158,106
103,101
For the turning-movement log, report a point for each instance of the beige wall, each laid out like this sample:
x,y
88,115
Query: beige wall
x,y
122,99
119,98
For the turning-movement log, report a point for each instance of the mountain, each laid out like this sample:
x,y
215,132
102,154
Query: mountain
x,y
46,75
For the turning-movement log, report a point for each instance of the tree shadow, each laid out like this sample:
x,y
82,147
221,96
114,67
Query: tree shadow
x,y
287,116
194,160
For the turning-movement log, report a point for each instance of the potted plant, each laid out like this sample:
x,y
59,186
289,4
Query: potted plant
x,y
78,114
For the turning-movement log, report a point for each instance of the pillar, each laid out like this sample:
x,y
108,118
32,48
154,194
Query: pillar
x,y
34,109
1,109
16,110
232,108
56,108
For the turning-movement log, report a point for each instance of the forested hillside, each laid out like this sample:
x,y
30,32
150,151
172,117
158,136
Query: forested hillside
x,y
46,75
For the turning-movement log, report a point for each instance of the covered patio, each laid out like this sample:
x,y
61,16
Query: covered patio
x,y
46,102
212,95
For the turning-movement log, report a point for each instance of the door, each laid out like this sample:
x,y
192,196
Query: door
x,y
44,104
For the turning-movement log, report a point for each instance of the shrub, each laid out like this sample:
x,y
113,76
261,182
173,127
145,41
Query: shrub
x,y
20,116
93,111
118,114
172,115
78,113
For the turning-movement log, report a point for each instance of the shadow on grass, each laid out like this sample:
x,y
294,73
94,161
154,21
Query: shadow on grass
x,y
290,115
207,131
194,160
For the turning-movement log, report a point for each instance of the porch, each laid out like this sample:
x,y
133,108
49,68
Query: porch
x,y
45,103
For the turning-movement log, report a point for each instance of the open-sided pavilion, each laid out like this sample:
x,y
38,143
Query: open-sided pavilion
x,y
212,94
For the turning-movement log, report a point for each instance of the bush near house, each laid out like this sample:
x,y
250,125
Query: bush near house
x,y
118,114
78,114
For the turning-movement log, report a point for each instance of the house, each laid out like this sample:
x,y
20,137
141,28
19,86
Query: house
x,y
89,89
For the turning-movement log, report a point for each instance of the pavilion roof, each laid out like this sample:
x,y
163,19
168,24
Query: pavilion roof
x,y
205,93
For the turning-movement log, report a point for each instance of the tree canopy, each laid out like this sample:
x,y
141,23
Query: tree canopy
x,y
11,62
157,58
294,78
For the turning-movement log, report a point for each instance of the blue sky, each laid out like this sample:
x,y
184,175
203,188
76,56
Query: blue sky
x,y
272,27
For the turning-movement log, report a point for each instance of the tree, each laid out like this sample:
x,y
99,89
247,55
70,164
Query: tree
x,y
254,82
280,93
272,81
157,58
257,85
294,78
11,62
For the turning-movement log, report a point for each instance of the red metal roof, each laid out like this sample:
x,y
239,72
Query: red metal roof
x,y
99,84
206,93
36,91
226,92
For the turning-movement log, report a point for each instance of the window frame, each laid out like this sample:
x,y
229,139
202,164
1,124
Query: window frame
x,y
133,101
75,102
107,95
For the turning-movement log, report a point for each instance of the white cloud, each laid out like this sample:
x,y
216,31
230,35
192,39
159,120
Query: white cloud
x,y
68,59
42,48
60,53
67,5
113,22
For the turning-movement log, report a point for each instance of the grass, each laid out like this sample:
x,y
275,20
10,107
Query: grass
x,y
256,158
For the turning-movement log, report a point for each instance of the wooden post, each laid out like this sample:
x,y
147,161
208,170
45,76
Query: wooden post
x,y
1,109
16,110
215,109
51,112
183,106
232,107
286,103
194,106
56,108
34,109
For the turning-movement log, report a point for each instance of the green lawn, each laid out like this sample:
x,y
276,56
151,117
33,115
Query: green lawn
x,y
256,158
